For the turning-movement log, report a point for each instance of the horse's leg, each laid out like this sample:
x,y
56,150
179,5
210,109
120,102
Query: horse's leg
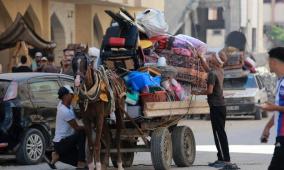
x,y
90,152
107,137
119,126
99,127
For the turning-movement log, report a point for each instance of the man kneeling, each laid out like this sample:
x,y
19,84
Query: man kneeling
x,y
69,140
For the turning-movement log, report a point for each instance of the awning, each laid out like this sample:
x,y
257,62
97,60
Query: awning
x,y
21,31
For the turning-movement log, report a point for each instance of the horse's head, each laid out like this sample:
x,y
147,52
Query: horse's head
x,y
80,64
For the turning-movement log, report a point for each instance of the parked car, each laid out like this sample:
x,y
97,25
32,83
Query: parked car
x,y
28,103
242,94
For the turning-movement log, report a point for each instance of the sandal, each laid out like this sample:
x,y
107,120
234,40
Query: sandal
x,y
217,164
230,166
52,166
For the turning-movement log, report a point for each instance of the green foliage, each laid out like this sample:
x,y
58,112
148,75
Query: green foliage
x,y
277,33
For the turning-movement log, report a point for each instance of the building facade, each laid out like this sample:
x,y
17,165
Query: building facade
x,y
273,12
67,21
222,17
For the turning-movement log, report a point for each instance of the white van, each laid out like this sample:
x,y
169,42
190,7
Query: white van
x,y
242,94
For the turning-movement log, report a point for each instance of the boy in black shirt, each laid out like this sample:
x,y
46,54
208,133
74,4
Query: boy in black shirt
x,y
218,112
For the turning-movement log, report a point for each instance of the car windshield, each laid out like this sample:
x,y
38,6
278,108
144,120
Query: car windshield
x,y
3,87
240,83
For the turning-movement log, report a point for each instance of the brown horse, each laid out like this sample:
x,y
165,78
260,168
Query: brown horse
x,y
101,92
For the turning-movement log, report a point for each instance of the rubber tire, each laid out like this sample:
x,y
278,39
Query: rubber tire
x,y
258,115
183,141
21,154
264,114
127,157
161,149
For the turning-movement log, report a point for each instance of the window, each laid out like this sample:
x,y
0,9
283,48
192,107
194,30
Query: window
x,y
217,32
44,90
240,83
65,81
3,87
212,14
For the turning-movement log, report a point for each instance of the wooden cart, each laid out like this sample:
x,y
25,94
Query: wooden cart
x,y
158,132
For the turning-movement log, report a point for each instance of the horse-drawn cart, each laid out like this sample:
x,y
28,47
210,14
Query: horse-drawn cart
x,y
158,132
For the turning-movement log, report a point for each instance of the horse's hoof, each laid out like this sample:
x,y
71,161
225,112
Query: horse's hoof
x,y
91,166
119,166
98,166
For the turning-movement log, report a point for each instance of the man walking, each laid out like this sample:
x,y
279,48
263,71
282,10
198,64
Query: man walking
x,y
276,64
23,67
218,112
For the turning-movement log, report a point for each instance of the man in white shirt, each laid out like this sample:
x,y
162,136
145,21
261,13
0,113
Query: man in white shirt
x,y
69,140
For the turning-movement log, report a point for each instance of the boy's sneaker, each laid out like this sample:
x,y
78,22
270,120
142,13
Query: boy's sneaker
x,y
217,164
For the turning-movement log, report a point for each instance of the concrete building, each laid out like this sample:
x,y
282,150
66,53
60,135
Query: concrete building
x,y
66,21
273,12
181,16
246,16
217,18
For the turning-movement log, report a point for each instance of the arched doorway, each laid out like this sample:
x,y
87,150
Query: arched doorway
x,y
58,36
5,21
32,20
98,31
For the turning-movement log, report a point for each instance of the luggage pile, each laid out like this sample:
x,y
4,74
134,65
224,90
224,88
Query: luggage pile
x,y
156,66
238,63
180,53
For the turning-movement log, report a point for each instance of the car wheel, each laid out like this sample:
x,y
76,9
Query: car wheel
x,y
32,147
258,115
127,157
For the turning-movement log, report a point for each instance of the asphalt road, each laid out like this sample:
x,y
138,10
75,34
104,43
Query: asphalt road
x,y
243,134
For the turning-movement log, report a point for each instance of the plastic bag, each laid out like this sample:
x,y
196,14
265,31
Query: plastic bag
x,y
153,21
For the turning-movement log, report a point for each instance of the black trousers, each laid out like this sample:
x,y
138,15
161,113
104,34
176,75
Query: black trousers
x,y
72,148
277,162
218,119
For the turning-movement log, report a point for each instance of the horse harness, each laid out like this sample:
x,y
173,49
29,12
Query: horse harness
x,y
101,90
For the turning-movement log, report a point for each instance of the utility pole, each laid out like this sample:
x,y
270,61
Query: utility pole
x,y
273,3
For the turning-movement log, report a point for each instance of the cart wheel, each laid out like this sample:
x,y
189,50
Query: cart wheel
x,y
127,157
183,146
161,149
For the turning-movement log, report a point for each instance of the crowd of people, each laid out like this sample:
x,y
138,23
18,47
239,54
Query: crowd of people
x,y
41,63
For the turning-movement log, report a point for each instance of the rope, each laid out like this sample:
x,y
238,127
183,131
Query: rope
x,y
105,79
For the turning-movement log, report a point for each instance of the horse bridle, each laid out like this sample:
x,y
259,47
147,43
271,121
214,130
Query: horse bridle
x,y
80,86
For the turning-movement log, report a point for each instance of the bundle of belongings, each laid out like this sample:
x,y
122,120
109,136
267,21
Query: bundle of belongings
x,y
238,62
156,66
180,51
